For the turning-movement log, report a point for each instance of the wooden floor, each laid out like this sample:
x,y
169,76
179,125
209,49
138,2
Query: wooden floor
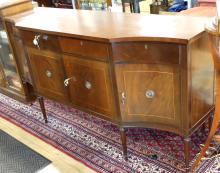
x,y
61,163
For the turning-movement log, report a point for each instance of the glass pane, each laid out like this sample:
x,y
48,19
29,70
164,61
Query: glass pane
x,y
7,61
22,63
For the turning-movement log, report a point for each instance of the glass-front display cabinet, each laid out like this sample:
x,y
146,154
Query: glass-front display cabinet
x,y
14,75
78,4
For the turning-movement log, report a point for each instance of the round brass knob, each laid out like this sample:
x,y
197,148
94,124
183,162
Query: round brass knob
x,y
150,94
48,73
88,85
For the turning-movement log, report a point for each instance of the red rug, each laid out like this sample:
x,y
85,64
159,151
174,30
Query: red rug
x,y
96,142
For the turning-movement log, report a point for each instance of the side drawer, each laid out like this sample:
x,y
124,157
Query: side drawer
x,y
44,41
90,49
146,52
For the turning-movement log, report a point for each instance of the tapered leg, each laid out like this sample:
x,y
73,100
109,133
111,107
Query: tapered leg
x,y
187,142
41,102
124,143
210,122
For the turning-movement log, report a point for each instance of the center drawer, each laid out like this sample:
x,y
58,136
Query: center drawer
x,y
89,49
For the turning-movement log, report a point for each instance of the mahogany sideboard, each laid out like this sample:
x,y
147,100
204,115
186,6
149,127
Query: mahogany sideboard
x,y
134,70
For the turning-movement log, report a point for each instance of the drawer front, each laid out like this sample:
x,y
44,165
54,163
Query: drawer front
x,y
48,75
86,48
148,95
146,52
40,41
89,85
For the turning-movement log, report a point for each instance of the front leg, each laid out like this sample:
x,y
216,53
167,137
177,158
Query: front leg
x,y
43,110
187,143
124,142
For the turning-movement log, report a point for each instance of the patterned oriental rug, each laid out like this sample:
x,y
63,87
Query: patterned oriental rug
x,y
96,142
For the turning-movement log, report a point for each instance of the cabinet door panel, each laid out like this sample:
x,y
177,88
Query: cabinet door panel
x,y
89,84
149,93
48,74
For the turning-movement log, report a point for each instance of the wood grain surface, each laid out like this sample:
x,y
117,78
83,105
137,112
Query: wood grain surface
x,y
112,27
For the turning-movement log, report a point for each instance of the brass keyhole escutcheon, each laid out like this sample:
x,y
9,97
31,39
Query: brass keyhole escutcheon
x,y
150,94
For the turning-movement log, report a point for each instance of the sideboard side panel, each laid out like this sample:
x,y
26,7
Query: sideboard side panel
x,y
202,80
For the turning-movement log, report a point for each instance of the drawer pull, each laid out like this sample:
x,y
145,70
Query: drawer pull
x,y
36,41
123,98
48,73
150,94
66,81
88,85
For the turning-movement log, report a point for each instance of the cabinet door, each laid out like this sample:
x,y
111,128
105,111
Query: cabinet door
x,y
48,75
89,85
148,93
8,65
